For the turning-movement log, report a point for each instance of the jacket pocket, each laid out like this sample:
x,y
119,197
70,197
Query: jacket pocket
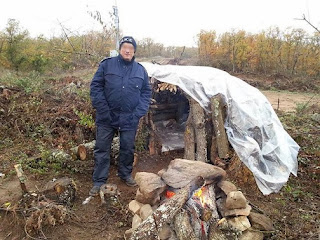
x,y
103,117
136,83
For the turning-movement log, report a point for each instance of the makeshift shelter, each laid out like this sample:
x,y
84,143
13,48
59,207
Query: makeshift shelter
x,y
252,127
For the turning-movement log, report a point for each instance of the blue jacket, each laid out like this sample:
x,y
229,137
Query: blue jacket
x,y
120,92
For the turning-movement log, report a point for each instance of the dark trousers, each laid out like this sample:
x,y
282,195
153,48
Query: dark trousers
x,y
104,137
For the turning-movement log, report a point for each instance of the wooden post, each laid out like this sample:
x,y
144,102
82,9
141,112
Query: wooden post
x,y
22,177
198,118
218,126
189,141
154,145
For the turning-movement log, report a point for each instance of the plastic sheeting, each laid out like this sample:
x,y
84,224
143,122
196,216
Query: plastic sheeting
x,y
253,128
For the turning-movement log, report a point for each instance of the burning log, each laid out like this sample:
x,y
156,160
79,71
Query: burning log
x,y
150,228
183,227
216,211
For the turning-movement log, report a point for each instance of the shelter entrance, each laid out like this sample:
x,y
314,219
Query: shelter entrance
x,y
168,115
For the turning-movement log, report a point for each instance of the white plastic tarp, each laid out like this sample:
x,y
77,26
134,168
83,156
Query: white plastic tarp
x,y
253,128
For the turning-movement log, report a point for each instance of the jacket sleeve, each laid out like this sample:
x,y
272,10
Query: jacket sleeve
x,y
145,96
97,94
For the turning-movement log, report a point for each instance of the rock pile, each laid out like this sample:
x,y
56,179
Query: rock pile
x,y
231,218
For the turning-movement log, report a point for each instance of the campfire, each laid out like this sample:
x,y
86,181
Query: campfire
x,y
192,200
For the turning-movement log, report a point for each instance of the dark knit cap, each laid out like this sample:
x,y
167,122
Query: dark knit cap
x,y
128,39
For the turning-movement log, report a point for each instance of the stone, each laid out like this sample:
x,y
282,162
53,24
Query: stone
x,y
145,211
128,233
161,172
251,235
150,185
227,187
220,205
136,220
261,222
235,199
181,171
134,206
217,234
239,223
165,232
147,199
237,212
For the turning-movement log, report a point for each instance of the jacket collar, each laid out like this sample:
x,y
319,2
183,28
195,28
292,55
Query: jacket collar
x,y
122,61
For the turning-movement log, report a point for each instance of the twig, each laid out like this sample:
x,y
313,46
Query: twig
x,y
256,208
79,53
304,19
28,235
66,35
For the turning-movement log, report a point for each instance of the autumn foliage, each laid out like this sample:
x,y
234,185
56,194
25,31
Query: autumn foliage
x,y
292,52
273,52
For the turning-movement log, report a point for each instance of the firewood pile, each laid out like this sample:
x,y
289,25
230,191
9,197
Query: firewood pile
x,y
192,200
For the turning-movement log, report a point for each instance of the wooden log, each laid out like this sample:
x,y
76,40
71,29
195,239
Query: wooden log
x,y
149,229
218,126
22,177
164,106
183,227
62,190
198,117
83,151
189,141
154,144
213,149
164,116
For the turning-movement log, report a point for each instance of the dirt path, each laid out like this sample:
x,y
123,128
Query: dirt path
x,y
288,101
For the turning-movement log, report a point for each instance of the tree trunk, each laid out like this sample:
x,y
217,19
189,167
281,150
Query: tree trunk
x,y
218,126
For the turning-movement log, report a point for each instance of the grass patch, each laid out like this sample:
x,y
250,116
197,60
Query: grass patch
x,y
29,83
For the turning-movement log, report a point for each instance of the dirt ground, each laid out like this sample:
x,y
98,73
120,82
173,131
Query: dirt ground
x,y
288,101
294,211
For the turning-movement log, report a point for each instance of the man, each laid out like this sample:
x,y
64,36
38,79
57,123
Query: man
x,y
120,93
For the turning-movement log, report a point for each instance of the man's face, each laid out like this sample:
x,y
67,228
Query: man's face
x,y
127,51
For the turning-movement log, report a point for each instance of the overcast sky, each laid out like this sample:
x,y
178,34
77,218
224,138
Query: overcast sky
x,y
171,22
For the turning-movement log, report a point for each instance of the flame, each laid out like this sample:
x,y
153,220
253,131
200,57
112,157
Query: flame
x,y
202,196
170,194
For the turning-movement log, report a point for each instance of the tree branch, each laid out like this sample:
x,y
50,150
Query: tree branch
x,y
304,19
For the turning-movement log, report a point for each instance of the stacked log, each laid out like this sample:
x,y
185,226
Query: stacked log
x,y
218,126
162,207
205,135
